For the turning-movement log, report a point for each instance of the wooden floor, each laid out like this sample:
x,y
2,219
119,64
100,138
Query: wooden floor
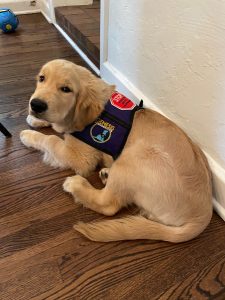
x,y
41,257
82,24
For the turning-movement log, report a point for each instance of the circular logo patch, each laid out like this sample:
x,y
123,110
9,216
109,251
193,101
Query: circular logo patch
x,y
101,131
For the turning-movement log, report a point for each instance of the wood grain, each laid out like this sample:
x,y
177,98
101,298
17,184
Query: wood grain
x,y
41,256
82,24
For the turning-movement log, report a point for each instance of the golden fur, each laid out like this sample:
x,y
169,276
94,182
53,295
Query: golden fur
x,y
160,169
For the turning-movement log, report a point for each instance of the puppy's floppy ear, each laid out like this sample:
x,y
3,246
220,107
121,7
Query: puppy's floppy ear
x,y
91,100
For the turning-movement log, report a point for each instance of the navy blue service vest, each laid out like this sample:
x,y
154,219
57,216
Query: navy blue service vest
x,y
109,132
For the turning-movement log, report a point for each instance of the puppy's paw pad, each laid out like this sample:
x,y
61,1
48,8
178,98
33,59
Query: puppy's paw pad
x,y
104,174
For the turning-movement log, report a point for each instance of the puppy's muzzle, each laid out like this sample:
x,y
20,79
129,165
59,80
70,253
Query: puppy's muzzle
x,y
38,106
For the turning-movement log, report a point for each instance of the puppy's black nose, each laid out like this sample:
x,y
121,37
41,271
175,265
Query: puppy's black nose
x,y
38,105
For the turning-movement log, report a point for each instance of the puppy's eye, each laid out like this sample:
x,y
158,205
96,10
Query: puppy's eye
x,y
41,78
65,89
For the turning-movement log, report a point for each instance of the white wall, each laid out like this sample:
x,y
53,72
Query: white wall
x,y
18,6
172,54
24,6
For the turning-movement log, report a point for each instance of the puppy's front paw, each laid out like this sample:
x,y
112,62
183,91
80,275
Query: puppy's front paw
x,y
29,137
36,123
25,137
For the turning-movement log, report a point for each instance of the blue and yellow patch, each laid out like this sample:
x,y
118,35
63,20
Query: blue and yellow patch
x,y
101,131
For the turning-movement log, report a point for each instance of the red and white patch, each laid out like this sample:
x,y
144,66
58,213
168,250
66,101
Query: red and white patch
x,y
121,102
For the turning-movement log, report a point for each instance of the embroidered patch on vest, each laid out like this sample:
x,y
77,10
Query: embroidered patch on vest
x,y
109,132
101,131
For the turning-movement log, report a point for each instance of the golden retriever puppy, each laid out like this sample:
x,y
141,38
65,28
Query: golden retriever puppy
x,y
160,169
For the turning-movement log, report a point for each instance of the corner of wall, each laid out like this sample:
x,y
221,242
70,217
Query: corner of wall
x,y
45,9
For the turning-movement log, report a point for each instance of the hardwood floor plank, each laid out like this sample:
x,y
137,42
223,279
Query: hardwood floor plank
x,y
29,256
40,278
196,286
12,223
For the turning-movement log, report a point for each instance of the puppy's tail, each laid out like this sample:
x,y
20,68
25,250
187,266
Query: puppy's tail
x,y
138,227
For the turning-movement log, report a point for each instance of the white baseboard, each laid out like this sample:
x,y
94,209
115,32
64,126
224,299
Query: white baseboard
x,y
218,186
27,12
112,75
71,2
219,209
78,50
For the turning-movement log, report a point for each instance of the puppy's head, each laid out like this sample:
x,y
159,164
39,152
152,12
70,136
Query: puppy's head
x,y
57,89
68,94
